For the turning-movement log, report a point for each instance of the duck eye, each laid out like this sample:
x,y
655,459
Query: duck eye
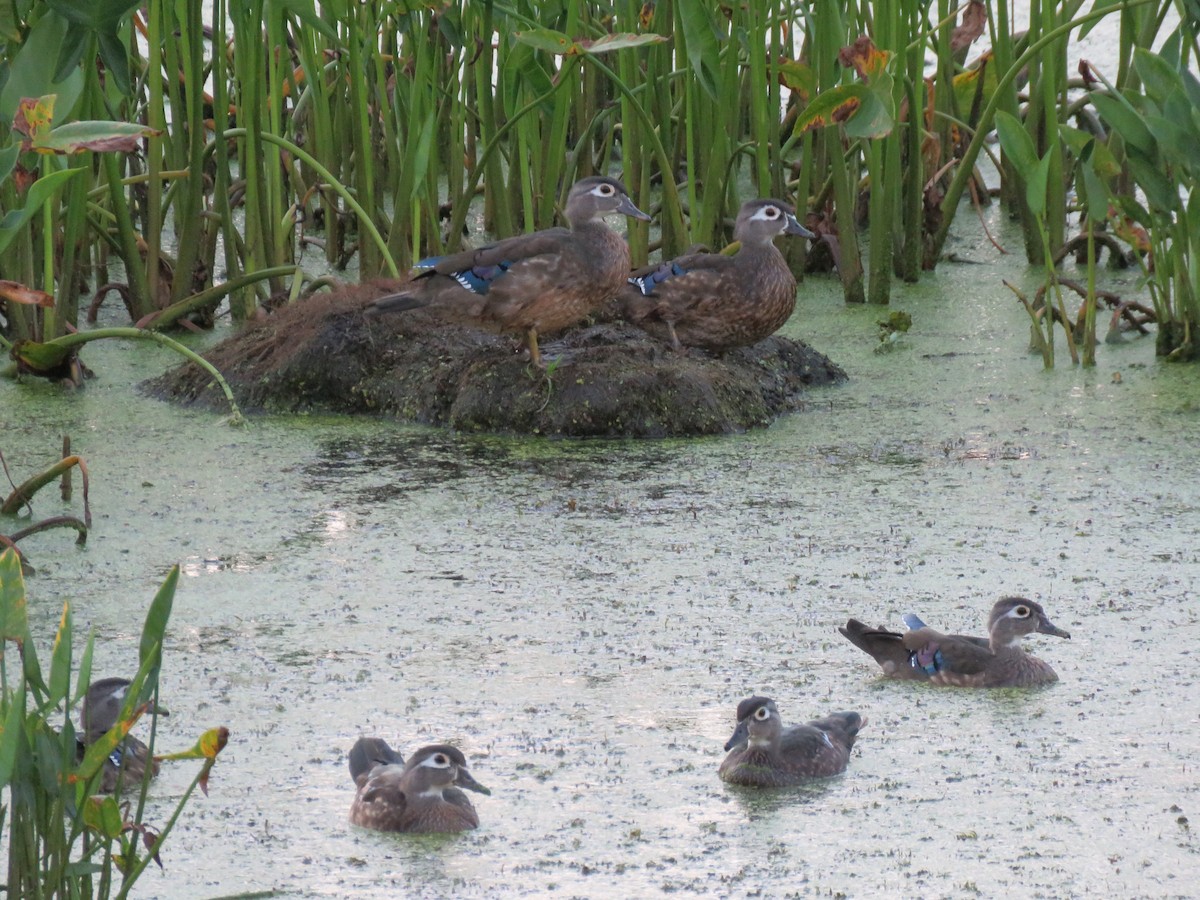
x,y
762,714
772,212
441,759
1022,612
607,190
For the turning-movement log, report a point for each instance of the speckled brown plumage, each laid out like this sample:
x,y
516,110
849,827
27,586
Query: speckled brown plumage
x,y
715,301
126,766
421,796
956,660
762,753
533,283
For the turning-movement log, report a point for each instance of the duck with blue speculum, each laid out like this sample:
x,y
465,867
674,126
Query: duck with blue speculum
x,y
421,796
532,283
923,654
718,301
126,766
763,753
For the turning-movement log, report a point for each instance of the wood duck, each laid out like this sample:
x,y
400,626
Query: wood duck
x,y
126,765
535,283
421,796
715,301
922,654
762,753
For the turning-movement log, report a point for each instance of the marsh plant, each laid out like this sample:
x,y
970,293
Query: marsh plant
x,y
64,839
378,132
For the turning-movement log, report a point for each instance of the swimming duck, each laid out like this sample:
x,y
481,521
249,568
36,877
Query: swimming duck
x,y
715,301
762,753
922,654
535,283
421,796
126,765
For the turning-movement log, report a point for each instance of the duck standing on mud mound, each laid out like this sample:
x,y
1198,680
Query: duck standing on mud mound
x,y
958,660
715,301
126,765
421,796
535,283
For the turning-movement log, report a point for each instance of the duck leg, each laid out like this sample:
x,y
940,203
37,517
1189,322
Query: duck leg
x,y
531,340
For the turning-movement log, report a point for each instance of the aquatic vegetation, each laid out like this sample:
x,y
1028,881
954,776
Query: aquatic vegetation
x,y
64,839
375,133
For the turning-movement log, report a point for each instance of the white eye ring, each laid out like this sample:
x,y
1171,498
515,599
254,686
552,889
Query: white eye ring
x,y
772,212
607,190
762,713
442,760
1022,612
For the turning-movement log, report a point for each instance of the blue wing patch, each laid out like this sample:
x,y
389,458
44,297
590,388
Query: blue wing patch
x,y
647,283
928,659
912,622
477,279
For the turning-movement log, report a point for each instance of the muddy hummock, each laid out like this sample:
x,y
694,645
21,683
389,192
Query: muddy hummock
x,y
329,354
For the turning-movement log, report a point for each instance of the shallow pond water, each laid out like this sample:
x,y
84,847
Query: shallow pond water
x,y
583,617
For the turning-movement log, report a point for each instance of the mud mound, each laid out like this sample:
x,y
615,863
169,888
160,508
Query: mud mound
x,y
329,354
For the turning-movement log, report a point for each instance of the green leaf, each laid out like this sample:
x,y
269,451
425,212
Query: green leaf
x,y
1175,143
545,39
1158,77
98,135
700,37
1125,120
1094,194
1016,142
1096,7
852,105
156,619
621,42
1161,192
103,816
39,193
14,722
60,659
14,620
31,75
420,157
1035,184
8,160
306,12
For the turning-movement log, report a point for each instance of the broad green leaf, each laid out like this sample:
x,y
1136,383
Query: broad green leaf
x,y
1161,193
14,721
100,136
621,42
1125,120
102,748
700,38
1158,78
1175,143
1094,194
306,12
545,39
1084,146
420,158
41,191
843,105
8,159
156,619
102,814
799,78
84,678
14,621
1035,184
1016,142
30,75
60,659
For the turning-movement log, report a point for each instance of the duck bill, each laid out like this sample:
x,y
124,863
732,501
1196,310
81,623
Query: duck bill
x,y
626,208
1045,626
794,227
466,780
741,735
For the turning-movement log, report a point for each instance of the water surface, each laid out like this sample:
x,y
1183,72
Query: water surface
x,y
583,617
